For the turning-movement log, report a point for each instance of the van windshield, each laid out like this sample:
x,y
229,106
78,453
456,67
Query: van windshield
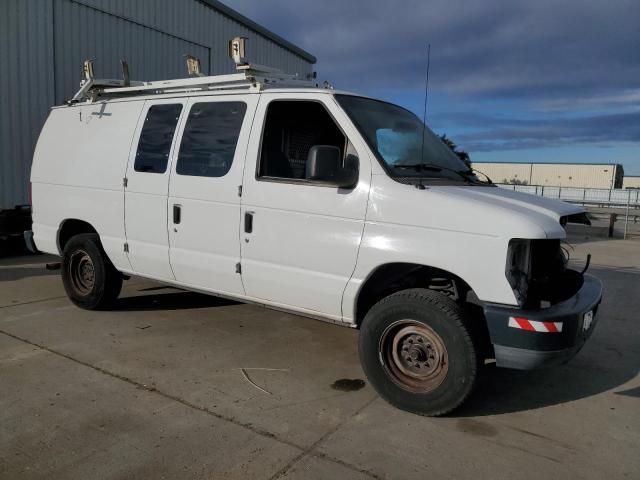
x,y
404,146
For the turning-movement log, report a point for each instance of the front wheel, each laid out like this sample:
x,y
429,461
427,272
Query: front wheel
x,y
90,279
417,352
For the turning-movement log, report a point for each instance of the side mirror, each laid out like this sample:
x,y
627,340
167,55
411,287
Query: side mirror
x,y
323,166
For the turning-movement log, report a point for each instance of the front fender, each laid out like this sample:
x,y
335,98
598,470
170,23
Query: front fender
x,y
475,258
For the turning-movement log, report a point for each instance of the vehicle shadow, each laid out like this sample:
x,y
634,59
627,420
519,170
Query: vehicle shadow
x,y
609,360
174,300
10,274
503,391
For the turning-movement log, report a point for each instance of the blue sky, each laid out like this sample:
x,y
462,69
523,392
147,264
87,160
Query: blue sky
x,y
546,81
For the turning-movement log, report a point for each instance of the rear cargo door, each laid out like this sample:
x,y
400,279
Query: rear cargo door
x,y
204,193
147,184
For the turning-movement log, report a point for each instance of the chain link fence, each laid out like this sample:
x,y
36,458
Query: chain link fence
x,y
587,196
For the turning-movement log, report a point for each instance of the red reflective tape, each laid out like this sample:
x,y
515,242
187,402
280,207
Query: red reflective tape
x,y
551,327
524,324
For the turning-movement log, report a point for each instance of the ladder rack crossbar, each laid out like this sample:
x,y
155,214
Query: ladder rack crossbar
x,y
248,77
200,82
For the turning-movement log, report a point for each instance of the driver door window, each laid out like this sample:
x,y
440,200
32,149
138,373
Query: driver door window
x,y
291,129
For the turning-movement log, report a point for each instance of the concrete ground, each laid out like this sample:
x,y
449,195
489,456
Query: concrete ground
x,y
154,389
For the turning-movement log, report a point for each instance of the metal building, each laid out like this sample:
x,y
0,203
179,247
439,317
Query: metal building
x,y
582,175
43,44
631,181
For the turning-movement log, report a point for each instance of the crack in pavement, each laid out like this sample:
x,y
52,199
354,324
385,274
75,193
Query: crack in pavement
x,y
32,301
310,451
305,451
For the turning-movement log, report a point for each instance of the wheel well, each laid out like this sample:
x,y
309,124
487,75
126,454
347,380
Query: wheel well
x,y
71,227
393,277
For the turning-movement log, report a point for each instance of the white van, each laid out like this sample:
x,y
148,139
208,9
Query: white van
x,y
265,188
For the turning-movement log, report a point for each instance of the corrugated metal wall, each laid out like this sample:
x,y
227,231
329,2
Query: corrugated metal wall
x,y
26,37
554,174
591,176
55,36
505,172
631,182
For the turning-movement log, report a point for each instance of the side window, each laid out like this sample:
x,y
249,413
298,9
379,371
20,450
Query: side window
x,y
157,133
209,139
291,129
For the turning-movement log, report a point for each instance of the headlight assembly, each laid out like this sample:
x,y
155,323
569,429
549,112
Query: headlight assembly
x,y
518,268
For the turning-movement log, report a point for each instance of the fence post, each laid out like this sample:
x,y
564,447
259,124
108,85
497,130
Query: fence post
x,y
613,217
626,217
584,195
559,191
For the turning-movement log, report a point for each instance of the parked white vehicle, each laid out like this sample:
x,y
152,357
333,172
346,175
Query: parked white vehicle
x,y
267,189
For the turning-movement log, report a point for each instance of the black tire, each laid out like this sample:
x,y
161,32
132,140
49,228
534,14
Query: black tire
x,y
90,279
417,352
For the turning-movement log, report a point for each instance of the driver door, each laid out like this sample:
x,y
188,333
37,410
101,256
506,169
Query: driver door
x,y
300,238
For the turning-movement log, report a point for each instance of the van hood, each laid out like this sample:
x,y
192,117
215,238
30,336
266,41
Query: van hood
x,y
514,208
546,206
480,210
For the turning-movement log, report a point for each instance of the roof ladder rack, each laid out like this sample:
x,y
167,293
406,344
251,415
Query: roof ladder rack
x,y
249,76
89,82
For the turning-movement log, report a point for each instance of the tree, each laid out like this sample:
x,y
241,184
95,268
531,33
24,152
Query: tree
x,y
515,181
462,155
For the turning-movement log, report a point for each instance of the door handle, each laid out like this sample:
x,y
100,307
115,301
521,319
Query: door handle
x,y
177,214
248,222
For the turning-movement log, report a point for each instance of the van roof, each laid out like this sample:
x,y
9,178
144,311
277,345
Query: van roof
x,y
205,93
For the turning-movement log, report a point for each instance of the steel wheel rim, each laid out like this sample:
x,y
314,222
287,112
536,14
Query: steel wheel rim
x,y
414,356
81,272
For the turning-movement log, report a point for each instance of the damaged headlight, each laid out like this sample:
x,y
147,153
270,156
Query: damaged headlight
x,y
518,268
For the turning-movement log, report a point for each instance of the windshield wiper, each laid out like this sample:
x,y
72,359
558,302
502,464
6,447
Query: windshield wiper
x,y
471,177
472,171
420,166
466,175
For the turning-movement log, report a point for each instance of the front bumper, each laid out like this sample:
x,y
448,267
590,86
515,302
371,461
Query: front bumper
x,y
526,339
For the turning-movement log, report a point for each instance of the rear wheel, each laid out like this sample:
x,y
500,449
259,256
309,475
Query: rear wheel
x,y
417,352
90,279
